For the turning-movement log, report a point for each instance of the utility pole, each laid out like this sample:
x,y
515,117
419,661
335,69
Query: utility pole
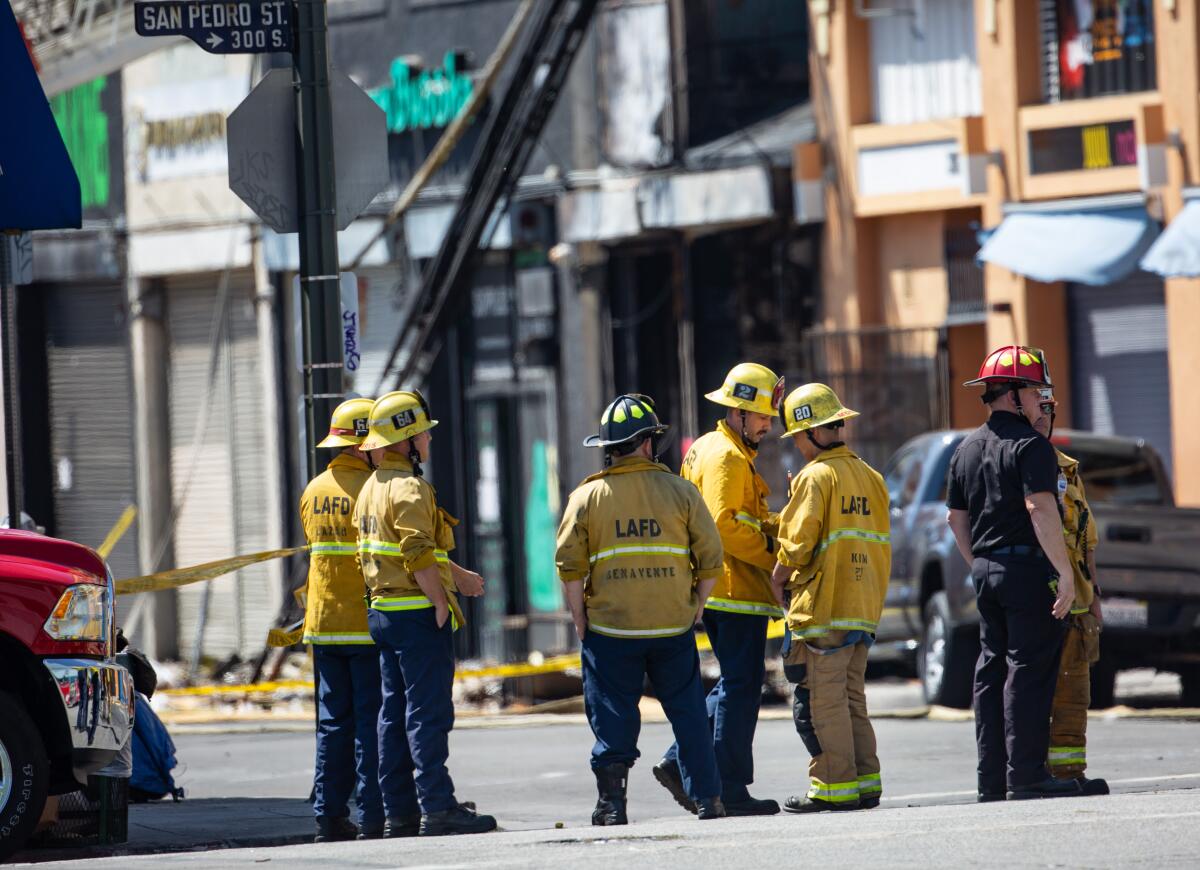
x,y
320,300
12,428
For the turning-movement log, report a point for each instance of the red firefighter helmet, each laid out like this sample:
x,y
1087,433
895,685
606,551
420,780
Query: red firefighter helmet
x,y
1014,363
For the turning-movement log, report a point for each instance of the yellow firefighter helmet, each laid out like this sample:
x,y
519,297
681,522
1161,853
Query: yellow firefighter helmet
x,y
349,425
812,406
750,387
396,417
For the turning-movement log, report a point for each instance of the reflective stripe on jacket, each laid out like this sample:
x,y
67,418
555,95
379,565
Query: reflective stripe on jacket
x,y
401,529
722,468
641,537
1079,528
835,536
334,611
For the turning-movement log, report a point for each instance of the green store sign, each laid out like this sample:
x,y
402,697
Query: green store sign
x,y
420,99
83,125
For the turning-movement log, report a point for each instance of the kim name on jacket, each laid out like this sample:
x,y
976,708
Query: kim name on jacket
x,y
629,533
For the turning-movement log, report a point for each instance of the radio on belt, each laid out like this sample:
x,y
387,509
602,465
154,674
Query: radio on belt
x,y
239,27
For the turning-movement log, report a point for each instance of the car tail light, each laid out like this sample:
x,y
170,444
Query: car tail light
x,y
83,612
1060,440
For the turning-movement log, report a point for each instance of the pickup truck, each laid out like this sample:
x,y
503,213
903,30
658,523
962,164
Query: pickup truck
x,y
1147,559
66,707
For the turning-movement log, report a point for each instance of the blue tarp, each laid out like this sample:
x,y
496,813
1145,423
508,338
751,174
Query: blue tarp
x,y
38,186
1085,247
1176,254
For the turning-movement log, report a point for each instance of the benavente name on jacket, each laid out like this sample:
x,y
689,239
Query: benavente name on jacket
x,y
856,504
643,528
337,504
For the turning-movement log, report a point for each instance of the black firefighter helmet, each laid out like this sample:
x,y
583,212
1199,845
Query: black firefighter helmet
x,y
627,419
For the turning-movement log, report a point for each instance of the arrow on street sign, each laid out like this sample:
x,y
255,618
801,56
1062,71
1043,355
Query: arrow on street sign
x,y
261,137
238,27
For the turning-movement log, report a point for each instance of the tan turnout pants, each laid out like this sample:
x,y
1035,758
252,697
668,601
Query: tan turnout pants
x,y
1072,696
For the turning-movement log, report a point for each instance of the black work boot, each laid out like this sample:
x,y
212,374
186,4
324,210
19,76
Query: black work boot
x,y
611,781
371,832
1091,787
459,820
868,803
1047,788
710,808
751,807
804,804
670,777
331,830
402,826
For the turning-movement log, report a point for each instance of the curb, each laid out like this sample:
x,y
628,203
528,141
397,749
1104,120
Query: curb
x,y
124,850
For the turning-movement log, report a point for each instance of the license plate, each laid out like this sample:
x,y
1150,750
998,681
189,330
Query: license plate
x,y
1124,612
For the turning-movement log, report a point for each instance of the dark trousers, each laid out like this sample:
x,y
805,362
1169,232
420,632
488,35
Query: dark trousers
x,y
613,672
1020,644
347,709
740,642
416,661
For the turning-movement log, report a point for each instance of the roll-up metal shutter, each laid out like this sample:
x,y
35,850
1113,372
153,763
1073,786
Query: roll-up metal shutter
x,y
1119,368
91,419
923,65
218,481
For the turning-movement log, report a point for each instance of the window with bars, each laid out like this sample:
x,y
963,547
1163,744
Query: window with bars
x,y
1095,48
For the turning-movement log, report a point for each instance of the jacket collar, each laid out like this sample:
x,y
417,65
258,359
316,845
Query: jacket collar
x,y
736,438
396,461
345,460
841,452
1065,462
627,465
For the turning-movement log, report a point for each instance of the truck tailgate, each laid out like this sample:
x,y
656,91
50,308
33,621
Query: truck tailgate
x,y
1148,552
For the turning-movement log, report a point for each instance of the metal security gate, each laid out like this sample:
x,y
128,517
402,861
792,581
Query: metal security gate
x,y
1119,368
895,378
218,481
91,419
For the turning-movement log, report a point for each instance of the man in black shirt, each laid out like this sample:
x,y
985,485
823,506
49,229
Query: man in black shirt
x,y
1003,510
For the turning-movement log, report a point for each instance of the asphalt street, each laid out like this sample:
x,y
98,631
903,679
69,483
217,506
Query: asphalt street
x,y
534,776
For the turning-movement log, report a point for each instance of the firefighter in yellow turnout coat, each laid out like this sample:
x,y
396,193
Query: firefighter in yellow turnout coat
x,y
834,564
721,464
1081,646
404,540
638,554
335,623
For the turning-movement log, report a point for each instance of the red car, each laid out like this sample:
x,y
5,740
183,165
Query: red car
x,y
66,707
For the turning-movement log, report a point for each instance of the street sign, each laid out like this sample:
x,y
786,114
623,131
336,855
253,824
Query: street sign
x,y
261,136
239,27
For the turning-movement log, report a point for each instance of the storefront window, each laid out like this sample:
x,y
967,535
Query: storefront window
x,y
1093,48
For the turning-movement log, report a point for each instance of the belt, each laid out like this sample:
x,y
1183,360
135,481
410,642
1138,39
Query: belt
x,y
1015,550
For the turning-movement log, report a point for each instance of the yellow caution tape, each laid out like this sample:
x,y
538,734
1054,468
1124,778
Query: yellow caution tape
x,y
551,665
199,573
120,527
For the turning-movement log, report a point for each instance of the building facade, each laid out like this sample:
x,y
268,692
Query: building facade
x,y
995,172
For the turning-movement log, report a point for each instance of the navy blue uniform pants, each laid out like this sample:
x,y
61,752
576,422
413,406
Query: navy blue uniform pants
x,y
416,661
740,643
613,672
1020,645
347,749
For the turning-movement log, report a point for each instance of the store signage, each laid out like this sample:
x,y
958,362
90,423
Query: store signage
x,y
1094,146
417,99
245,27
83,124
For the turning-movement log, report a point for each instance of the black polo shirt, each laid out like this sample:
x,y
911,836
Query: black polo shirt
x,y
992,471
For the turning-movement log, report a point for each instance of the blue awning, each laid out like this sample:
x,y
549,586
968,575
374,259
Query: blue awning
x,y
1176,254
38,186
1093,246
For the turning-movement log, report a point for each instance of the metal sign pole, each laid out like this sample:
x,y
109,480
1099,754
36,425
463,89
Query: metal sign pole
x,y
319,294
12,429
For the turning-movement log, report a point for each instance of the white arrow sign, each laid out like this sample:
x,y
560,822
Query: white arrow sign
x,y
213,40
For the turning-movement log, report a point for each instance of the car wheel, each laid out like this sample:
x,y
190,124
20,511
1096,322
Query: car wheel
x,y
1104,682
24,773
946,656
